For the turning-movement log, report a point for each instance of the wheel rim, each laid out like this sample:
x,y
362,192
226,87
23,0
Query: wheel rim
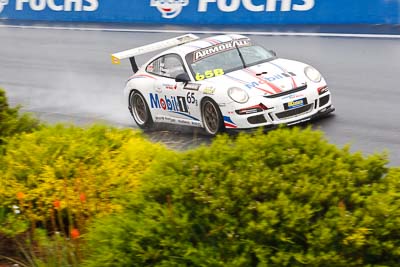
x,y
139,109
211,117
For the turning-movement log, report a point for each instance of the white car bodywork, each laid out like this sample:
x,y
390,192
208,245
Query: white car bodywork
x,y
279,91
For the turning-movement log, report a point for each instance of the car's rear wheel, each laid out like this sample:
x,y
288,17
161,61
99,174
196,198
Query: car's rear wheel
x,y
140,110
211,116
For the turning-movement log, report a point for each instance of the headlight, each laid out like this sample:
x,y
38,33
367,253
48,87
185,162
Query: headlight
x,y
238,94
312,74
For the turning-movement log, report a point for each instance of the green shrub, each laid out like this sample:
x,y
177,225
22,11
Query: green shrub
x,y
287,198
11,122
60,177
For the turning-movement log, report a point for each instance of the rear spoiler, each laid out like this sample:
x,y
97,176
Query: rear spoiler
x,y
117,57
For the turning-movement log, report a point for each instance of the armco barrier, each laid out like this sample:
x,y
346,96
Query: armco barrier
x,y
206,11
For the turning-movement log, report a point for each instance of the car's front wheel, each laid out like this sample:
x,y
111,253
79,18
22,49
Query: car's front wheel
x,y
140,110
211,116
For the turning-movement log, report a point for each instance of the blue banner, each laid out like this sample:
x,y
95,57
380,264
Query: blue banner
x,y
206,12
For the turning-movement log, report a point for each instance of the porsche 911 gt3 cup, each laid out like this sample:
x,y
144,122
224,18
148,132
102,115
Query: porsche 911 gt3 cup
x,y
222,82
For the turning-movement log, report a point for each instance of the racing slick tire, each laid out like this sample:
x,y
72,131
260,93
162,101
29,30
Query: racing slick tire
x,y
140,110
211,117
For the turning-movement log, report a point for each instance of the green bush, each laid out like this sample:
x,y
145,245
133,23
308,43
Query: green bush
x,y
11,122
55,180
287,198
70,172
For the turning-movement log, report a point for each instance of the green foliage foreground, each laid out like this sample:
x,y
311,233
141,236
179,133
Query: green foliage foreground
x,y
106,197
54,181
72,172
287,198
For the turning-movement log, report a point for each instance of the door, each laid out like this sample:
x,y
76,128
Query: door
x,y
170,98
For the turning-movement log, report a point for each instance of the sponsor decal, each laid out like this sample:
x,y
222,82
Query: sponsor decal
x,y
256,6
173,103
295,103
169,8
192,86
61,5
209,90
196,123
169,86
180,121
193,121
3,3
165,119
292,96
215,49
286,72
245,82
269,79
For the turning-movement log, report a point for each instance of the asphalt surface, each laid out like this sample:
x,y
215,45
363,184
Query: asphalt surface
x,y
67,76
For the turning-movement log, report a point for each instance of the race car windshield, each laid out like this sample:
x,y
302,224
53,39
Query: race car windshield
x,y
228,61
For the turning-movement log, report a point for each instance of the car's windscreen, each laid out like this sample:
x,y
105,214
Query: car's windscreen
x,y
227,61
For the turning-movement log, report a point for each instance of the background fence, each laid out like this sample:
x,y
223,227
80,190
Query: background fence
x,y
206,11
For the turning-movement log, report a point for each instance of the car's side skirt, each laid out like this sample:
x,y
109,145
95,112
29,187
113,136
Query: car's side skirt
x,y
175,120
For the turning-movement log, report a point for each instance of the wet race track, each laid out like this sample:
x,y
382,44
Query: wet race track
x,y
67,76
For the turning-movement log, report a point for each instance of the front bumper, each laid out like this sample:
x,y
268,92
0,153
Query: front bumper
x,y
318,115
322,113
316,106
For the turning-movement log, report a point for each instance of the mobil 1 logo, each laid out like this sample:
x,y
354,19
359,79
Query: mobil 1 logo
x,y
172,103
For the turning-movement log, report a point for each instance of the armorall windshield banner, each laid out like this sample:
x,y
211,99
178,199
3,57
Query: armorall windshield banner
x,y
206,11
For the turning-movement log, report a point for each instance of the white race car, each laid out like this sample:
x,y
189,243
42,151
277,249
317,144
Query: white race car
x,y
222,82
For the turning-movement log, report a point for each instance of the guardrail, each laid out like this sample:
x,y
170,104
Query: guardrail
x,y
205,11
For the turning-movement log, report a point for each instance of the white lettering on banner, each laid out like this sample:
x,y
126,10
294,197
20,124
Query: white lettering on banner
x,y
269,6
37,4
59,5
19,3
308,4
3,3
52,5
93,5
285,5
77,4
169,8
250,6
223,6
203,5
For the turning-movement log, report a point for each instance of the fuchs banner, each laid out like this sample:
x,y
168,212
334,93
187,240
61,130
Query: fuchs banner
x,y
206,11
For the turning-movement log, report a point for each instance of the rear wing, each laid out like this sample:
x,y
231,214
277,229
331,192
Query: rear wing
x,y
117,57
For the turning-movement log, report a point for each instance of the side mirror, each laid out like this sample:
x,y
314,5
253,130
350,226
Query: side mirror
x,y
273,52
183,78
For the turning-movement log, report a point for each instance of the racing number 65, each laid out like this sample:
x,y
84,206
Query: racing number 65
x,y
190,98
